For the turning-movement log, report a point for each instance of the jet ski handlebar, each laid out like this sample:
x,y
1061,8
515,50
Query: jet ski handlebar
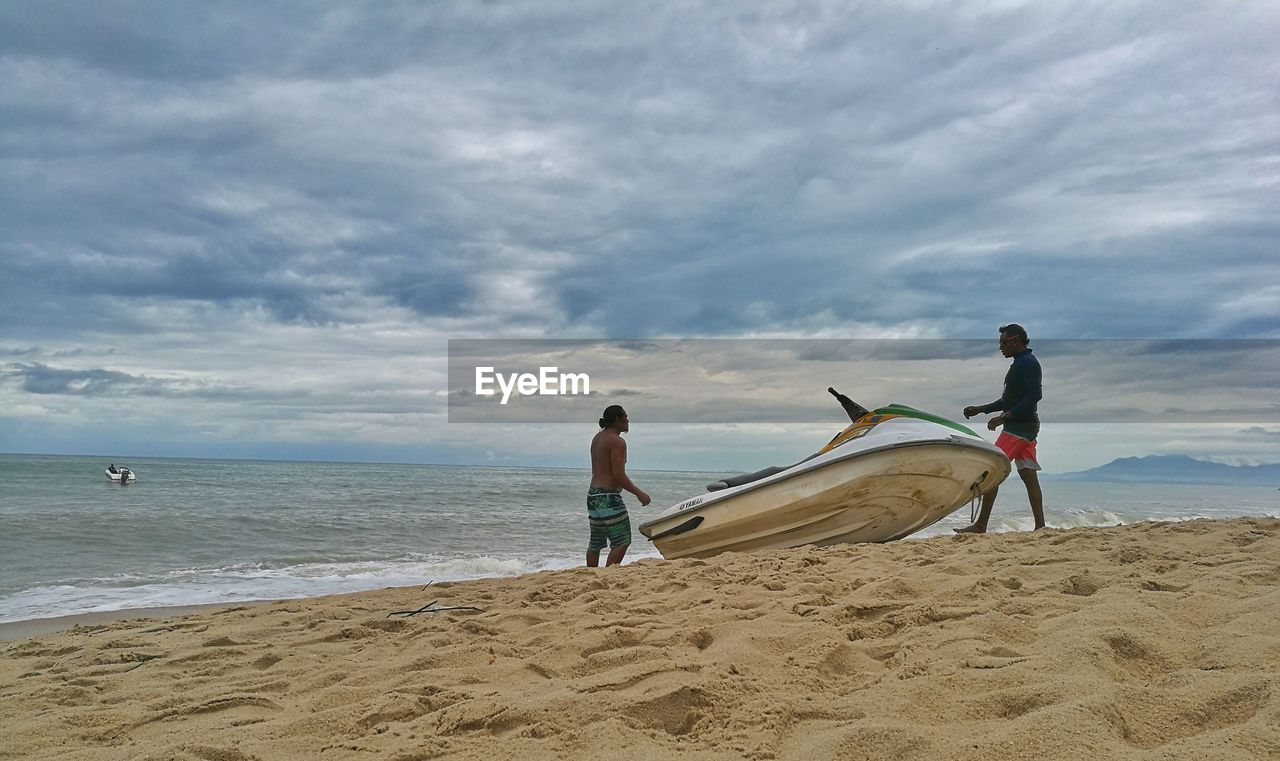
x,y
851,408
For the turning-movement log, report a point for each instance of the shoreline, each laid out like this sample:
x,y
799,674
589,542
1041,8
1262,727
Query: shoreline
x,y
21,629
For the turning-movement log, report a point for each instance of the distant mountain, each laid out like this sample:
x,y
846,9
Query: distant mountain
x,y
1176,469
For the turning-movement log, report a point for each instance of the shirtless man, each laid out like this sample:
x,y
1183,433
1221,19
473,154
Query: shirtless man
x,y
606,512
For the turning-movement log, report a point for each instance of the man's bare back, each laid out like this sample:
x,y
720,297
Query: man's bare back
x,y
603,447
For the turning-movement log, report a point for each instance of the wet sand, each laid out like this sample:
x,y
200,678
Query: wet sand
x,y
19,630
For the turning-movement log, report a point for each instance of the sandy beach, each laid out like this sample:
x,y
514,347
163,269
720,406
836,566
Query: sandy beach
x,y
1146,641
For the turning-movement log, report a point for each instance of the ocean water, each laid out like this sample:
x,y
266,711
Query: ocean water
x,y
216,531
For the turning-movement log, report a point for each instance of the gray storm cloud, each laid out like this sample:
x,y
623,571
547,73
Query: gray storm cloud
x,y
302,204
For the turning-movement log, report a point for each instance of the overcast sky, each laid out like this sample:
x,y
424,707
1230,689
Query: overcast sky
x,y
249,229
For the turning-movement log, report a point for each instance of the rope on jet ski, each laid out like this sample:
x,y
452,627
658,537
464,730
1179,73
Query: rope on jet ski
x,y
975,502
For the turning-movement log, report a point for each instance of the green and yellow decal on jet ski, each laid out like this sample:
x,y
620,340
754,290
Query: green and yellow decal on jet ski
x,y
863,425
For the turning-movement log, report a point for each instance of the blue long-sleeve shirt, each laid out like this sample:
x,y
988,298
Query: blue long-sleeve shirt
x,y
1022,392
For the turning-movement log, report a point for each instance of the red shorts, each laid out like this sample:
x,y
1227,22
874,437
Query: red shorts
x,y
1018,450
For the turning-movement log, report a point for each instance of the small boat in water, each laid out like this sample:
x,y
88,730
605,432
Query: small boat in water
x,y
890,473
121,475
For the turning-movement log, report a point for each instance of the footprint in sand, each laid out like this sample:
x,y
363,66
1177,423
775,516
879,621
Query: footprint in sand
x,y
1152,585
1080,585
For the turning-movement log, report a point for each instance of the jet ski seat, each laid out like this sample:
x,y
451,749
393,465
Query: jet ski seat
x,y
745,478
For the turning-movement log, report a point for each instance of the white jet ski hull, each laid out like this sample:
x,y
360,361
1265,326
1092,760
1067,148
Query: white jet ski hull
x,y
898,479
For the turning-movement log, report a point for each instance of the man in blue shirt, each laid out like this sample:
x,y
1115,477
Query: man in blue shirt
x,y
1017,408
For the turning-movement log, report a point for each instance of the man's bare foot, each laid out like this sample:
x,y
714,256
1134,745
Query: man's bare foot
x,y
974,529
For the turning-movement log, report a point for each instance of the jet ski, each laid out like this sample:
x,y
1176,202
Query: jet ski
x,y
121,475
890,473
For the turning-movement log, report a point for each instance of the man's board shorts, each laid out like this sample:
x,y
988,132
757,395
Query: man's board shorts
x,y
1022,452
607,514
